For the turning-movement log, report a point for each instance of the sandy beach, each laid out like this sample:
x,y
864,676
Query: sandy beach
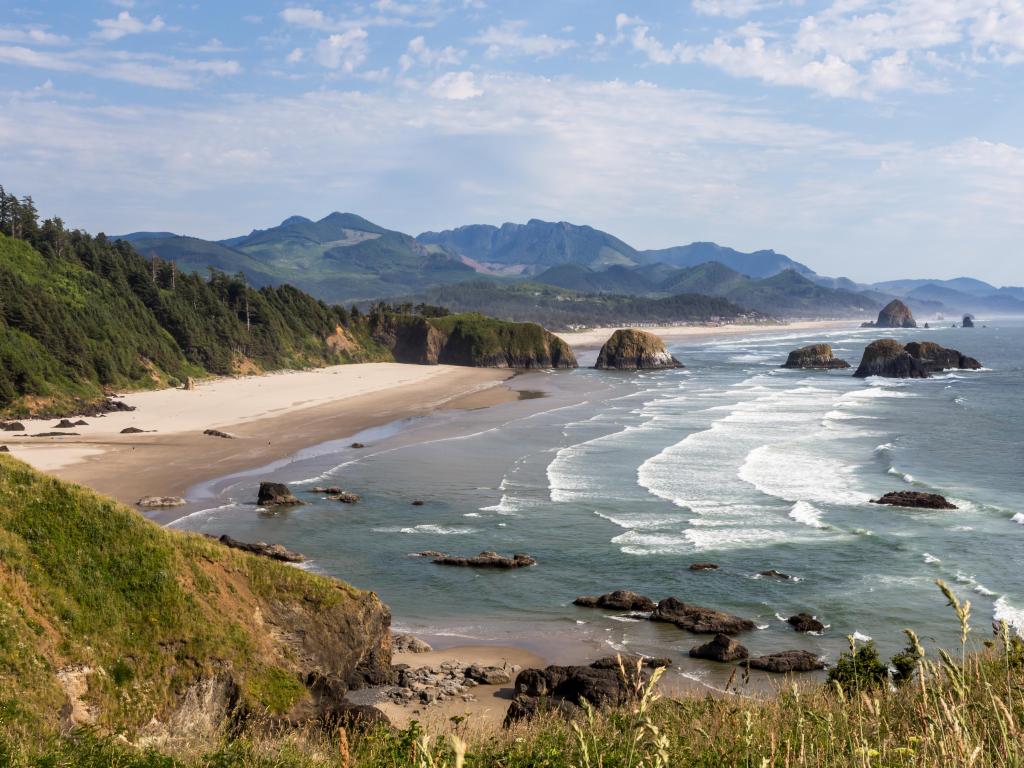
x,y
595,337
270,417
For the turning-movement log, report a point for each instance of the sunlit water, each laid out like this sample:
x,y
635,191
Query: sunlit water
x,y
621,480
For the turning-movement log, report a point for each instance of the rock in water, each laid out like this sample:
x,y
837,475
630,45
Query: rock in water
x,y
915,499
887,357
896,314
345,497
786,661
804,622
619,600
936,358
968,321
723,648
275,495
160,501
703,566
273,551
697,619
774,574
817,356
631,349
487,560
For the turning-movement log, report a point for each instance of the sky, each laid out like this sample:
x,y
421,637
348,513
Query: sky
x,y
874,140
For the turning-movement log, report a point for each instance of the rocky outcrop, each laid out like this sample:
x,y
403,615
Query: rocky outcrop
x,y
916,360
631,349
12,426
895,314
447,680
4,449
275,495
64,424
968,321
774,574
785,662
273,551
619,600
699,620
804,622
132,431
722,648
815,356
703,566
161,501
471,340
487,560
915,499
334,493
218,433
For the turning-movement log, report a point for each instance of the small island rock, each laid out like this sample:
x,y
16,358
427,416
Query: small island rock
x,y
703,566
774,574
619,600
723,648
487,560
895,314
816,356
804,622
698,619
275,495
632,349
916,360
915,499
785,662
968,321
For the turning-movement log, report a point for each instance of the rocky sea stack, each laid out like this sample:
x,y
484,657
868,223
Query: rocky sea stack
x,y
915,499
895,314
916,360
630,349
817,356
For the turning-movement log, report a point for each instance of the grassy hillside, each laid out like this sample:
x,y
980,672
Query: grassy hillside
x,y
81,316
131,622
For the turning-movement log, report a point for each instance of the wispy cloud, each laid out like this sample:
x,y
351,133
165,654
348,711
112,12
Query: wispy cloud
x,y
32,36
510,39
126,24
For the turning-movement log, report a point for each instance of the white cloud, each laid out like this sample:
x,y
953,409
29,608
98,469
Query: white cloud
x,y
456,86
345,51
732,9
126,24
296,55
32,36
308,17
418,52
509,40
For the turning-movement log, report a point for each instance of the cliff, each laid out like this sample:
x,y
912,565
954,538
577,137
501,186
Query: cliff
x,y
916,360
110,622
471,340
815,356
633,349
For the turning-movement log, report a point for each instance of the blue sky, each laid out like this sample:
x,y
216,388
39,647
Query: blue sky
x,y
870,139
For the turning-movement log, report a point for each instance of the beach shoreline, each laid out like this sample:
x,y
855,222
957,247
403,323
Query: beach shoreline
x,y
269,417
594,338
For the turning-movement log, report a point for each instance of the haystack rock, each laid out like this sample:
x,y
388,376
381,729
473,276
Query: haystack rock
x,y
275,495
968,321
817,356
916,360
630,349
895,314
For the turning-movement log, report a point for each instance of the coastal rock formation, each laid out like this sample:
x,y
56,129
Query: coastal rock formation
x,y
4,449
785,662
273,551
916,360
447,680
558,689
816,356
488,675
218,433
895,314
409,644
132,431
357,446
699,620
703,566
915,499
12,426
275,495
632,349
471,340
54,434
774,574
804,622
968,321
64,424
722,648
487,560
619,600
160,501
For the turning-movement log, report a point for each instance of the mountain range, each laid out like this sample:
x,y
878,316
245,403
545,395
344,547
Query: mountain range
x,y
344,257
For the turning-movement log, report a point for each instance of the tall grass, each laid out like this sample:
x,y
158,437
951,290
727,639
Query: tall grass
x,y
949,710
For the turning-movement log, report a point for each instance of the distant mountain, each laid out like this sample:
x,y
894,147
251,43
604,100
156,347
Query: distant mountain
x,y
756,264
961,285
528,249
963,294
338,258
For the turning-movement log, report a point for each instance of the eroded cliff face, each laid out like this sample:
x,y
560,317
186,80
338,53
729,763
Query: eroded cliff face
x,y
632,349
472,340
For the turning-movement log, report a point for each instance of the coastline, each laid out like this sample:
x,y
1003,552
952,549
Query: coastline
x,y
270,417
593,338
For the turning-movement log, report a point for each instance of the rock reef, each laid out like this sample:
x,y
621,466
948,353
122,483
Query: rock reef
x,y
487,560
804,622
700,620
815,356
631,349
619,600
915,499
273,551
785,662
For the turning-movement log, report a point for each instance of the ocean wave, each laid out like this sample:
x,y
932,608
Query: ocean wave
x,y
930,559
432,528
1014,617
200,513
905,477
860,637
1018,518
787,473
807,514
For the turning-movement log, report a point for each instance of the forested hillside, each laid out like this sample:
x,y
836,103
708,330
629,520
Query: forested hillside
x,y
81,316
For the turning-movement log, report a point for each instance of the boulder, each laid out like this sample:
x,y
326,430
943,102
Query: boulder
x,y
915,499
785,662
132,431
968,321
418,503
218,433
804,622
81,423
816,356
161,501
4,449
895,314
275,495
357,445
887,357
722,648
273,551
773,574
703,566
613,662
64,424
330,489
12,426
409,644
345,497
488,675
432,554
619,600
631,349
700,620
487,560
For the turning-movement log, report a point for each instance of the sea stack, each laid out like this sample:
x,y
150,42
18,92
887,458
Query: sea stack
x,y
895,314
630,349
968,321
916,360
816,356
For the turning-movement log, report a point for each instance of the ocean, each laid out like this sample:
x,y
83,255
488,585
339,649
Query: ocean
x,y
622,480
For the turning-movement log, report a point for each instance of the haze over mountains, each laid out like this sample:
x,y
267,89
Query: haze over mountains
x,y
343,257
